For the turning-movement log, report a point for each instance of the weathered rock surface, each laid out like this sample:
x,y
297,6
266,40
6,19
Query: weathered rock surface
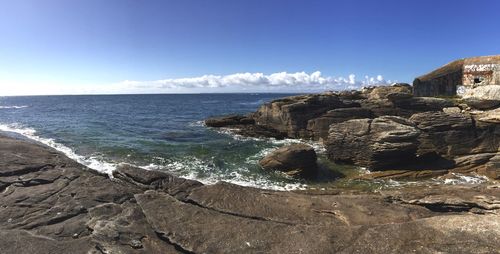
x,y
229,121
50,204
298,160
451,134
318,127
291,114
483,97
245,126
449,128
381,143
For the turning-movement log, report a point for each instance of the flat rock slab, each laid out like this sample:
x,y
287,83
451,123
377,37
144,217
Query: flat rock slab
x,y
50,204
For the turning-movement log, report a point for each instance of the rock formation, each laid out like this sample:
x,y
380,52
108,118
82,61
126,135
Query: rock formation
x,y
50,204
297,160
386,142
387,128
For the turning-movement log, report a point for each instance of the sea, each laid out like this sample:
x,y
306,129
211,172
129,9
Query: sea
x,y
163,132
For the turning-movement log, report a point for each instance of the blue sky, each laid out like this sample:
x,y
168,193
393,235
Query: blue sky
x,y
126,46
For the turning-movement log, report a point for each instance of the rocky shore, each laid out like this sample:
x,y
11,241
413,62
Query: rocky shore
x,y
386,129
51,204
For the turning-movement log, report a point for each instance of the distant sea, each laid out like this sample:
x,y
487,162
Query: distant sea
x,y
162,132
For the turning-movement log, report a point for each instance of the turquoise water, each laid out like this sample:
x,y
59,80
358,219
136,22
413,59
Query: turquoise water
x,y
163,132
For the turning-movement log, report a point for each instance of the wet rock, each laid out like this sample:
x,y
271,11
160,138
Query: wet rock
x,y
245,126
319,127
298,160
230,120
381,143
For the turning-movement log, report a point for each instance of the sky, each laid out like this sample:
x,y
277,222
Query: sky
x,y
184,46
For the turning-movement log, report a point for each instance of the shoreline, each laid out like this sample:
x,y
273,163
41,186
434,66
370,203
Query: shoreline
x,y
52,204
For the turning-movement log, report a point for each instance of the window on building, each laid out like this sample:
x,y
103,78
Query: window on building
x,y
477,80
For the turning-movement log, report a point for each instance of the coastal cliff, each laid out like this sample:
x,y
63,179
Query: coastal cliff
x,y
51,204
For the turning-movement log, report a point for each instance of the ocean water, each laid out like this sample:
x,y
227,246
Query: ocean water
x,y
161,132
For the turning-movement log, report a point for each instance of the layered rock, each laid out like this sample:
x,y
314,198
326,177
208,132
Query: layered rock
x,y
298,160
230,120
454,134
483,97
318,127
50,204
245,126
379,144
291,114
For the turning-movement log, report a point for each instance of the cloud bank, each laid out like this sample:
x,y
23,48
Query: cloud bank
x,y
259,82
281,82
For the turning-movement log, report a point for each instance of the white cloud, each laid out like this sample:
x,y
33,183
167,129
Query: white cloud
x,y
259,82
238,82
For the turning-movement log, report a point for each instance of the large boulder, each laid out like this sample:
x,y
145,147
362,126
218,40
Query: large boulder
x,y
387,142
319,127
454,134
298,160
291,114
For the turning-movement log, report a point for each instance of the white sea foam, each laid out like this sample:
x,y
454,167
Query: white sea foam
x,y
93,162
183,168
13,107
465,179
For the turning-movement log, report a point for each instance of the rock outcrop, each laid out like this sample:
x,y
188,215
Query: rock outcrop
x,y
298,160
382,143
318,127
50,204
454,132
291,115
483,97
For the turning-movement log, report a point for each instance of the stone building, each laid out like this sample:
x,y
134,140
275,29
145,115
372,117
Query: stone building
x,y
456,77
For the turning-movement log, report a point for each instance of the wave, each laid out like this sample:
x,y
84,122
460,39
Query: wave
x,y
93,162
13,107
464,179
259,102
183,168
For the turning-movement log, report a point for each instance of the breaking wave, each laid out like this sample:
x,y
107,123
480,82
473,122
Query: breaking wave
x,y
13,107
182,167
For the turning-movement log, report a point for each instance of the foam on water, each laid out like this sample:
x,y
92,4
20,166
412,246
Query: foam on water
x,y
13,107
92,162
182,168
207,175
465,179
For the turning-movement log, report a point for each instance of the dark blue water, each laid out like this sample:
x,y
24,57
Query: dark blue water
x,y
163,132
